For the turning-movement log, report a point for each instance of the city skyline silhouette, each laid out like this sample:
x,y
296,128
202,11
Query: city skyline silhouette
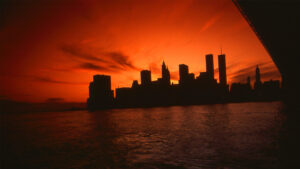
x,y
191,89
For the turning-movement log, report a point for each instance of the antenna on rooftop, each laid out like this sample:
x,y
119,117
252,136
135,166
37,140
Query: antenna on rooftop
x,y
221,49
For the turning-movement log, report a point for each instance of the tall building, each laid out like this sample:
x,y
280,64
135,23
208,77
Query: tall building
x,y
257,74
165,73
102,82
183,73
249,82
210,65
258,82
222,70
100,93
145,77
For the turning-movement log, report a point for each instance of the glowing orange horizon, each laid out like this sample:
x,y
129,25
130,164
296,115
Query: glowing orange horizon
x,y
53,50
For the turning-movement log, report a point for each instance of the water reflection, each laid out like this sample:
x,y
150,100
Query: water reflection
x,y
242,135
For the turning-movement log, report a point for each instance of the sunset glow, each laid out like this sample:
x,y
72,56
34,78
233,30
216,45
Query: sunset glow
x,y
52,49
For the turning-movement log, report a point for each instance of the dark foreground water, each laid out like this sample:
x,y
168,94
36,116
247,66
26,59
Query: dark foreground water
x,y
243,135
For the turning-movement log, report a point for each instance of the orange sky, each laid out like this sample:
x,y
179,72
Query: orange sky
x,y
51,49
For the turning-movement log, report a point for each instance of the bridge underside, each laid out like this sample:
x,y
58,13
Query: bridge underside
x,y
276,24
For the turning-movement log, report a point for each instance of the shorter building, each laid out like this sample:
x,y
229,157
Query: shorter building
x,y
145,77
185,77
100,93
183,73
271,89
204,75
241,92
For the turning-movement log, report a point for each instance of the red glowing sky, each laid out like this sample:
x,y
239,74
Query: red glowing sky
x,y
52,48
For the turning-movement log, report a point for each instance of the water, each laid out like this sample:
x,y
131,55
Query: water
x,y
242,135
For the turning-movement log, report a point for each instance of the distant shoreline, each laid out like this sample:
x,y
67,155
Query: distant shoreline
x,y
36,107
171,105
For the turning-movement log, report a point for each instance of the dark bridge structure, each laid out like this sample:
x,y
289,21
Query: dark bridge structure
x,y
277,25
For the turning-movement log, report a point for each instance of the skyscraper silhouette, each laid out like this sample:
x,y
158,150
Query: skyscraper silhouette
x,y
222,70
145,77
257,74
183,73
100,93
258,83
210,65
165,73
249,81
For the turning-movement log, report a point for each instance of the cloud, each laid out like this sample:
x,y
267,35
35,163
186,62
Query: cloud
x,y
211,22
74,51
231,66
245,71
103,61
92,66
50,80
44,79
271,74
267,71
55,100
154,68
121,59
